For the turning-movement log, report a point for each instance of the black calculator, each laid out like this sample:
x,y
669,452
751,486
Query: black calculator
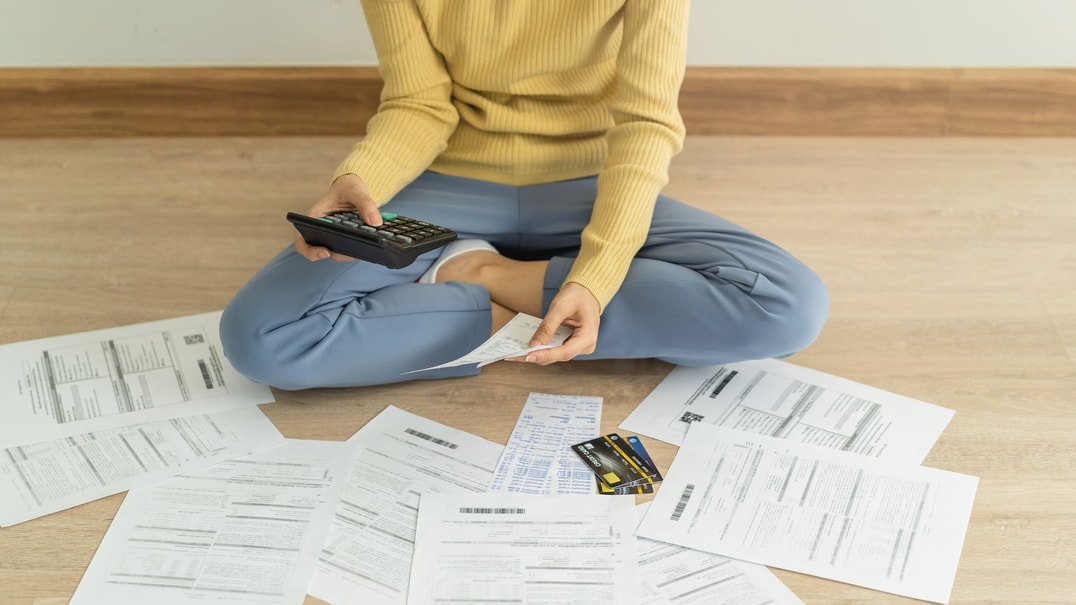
x,y
395,243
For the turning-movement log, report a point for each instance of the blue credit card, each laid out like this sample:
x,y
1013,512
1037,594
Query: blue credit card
x,y
637,445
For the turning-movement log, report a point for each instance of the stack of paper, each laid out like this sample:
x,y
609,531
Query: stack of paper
x,y
93,414
778,465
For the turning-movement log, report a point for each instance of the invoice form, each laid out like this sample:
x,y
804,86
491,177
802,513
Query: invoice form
x,y
79,383
780,399
242,531
512,340
538,458
677,575
523,548
892,527
50,476
367,557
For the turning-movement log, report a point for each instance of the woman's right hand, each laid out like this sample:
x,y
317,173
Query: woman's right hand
x,y
347,192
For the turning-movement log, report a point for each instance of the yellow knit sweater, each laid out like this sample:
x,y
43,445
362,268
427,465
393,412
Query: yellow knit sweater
x,y
521,92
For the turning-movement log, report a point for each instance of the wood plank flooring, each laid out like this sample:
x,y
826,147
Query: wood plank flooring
x,y
951,264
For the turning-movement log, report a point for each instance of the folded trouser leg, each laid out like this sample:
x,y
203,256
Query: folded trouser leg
x,y
286,329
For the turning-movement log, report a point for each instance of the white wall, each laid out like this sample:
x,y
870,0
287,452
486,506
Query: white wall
x,y
897,33
913,33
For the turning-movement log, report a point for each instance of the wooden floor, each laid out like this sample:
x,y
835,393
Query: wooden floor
x,y
951,265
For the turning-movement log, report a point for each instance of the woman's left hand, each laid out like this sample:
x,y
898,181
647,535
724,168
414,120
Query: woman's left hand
x,y
574,306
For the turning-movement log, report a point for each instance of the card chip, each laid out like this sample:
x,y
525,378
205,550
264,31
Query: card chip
x,y
616,464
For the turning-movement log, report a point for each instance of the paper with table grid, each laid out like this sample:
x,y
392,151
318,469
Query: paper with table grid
x,y
538,458
670,574
74,384
367,557
780,399
42,478
894,527
525,548
242,531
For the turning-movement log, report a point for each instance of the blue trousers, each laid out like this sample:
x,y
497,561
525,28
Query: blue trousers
x,y
701,291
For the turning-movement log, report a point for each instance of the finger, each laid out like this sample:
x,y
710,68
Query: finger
x,y
546,357
550,356
355,194
369,212
365,206
581,342
546,329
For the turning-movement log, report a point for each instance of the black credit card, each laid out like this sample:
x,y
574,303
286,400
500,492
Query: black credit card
x,y
615,463
624,490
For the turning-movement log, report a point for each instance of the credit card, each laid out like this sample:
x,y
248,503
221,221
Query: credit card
x,y
639,488
637,445
614,461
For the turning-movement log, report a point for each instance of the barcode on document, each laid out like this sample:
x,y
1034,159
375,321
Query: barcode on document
x,y
194,339
682,504
431,439
492,511
205,374
724,383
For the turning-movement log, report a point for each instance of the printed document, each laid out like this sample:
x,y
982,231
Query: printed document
x,y
815,510
243,531
47,477
538,458
775,398
509,341
367,558
523,548
675,575
80,383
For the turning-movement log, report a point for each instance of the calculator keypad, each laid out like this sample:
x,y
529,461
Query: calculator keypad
x,y
395,228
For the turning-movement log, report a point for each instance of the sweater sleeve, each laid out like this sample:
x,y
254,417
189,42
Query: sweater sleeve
x,y
415,117
648,131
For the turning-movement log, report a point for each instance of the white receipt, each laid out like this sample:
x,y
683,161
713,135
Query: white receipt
x,y
509,341
367,558
522,548
47,477
79,383
243,531
814,510
538,458
779,399
676,575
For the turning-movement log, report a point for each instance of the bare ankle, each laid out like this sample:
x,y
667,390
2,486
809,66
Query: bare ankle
x,y
512,284
468,267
